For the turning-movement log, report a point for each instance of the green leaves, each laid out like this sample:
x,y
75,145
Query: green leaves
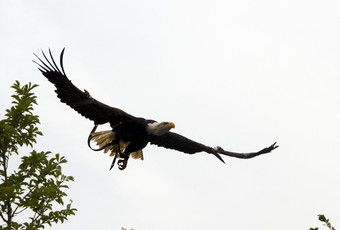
x,y
19,128
325,221
37,185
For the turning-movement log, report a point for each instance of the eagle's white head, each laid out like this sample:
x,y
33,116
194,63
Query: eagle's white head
x,y
159,129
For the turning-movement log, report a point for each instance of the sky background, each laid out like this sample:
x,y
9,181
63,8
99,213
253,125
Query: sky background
x,y
239,74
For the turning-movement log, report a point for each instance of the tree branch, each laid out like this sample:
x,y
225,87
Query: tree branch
x,y
7,202
2,217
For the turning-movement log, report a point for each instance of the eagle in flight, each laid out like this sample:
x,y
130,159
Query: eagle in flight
x,y
129,134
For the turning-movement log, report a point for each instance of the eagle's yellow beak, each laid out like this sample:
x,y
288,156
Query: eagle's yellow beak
x,y
171,125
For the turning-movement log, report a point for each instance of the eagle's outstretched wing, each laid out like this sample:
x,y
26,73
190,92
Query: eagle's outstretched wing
x,y
80,101
180,143
100,113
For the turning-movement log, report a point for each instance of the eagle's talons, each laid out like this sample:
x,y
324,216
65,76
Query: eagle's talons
x,y
122,163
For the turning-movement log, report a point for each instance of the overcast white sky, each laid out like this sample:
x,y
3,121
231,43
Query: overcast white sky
x,y
240,74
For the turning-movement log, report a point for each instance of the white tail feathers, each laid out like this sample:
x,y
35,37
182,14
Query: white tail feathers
x,y
104,138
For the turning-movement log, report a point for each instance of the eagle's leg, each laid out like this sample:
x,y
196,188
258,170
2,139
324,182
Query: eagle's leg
x,y
115,142
121,162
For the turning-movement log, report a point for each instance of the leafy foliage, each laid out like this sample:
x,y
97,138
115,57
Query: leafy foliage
x,y
326,222
37,185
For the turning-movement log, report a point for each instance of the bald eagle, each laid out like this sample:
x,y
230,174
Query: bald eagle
x,y
129,134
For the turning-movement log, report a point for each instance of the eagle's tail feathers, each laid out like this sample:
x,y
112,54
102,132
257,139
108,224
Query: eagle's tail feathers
x,y
104,138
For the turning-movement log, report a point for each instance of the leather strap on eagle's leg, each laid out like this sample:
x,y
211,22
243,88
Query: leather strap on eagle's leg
x,y
114,160
90,138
